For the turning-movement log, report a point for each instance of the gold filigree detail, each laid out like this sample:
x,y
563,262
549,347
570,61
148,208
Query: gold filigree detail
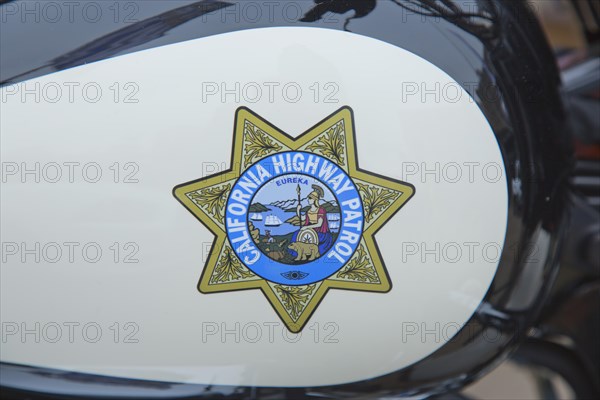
x,y
212,200
295,298
360,268
257,143
331,144
375,199
229,268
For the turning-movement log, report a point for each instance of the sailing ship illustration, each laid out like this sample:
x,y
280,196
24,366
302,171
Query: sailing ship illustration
x,y
256,217
273,220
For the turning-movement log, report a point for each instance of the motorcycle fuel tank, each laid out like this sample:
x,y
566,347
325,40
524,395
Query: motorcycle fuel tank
x,y
235,197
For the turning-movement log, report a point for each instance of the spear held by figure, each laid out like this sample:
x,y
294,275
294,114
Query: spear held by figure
x,y
299,205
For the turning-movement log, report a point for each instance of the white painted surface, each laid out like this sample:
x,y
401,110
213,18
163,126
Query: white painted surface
x,y
174,136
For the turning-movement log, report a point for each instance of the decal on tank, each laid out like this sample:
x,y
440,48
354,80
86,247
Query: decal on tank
x,y
294,217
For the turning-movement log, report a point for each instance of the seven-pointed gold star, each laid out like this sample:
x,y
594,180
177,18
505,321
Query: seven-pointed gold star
x,y
253,139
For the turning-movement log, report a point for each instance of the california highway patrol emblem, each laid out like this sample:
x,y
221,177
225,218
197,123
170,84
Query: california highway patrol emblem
x,y
294,217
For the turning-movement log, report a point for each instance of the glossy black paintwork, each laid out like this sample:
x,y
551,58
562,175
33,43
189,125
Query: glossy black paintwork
x,y
495,49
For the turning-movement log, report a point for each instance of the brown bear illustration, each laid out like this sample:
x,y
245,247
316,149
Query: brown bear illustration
x,y
305,250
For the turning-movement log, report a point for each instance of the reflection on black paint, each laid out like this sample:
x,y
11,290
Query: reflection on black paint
x,y
123,39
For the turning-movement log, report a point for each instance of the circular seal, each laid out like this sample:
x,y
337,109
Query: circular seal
x,y
294,218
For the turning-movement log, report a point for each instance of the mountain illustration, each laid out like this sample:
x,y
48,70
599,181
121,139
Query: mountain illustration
x,y
330,207
285,204
258,207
